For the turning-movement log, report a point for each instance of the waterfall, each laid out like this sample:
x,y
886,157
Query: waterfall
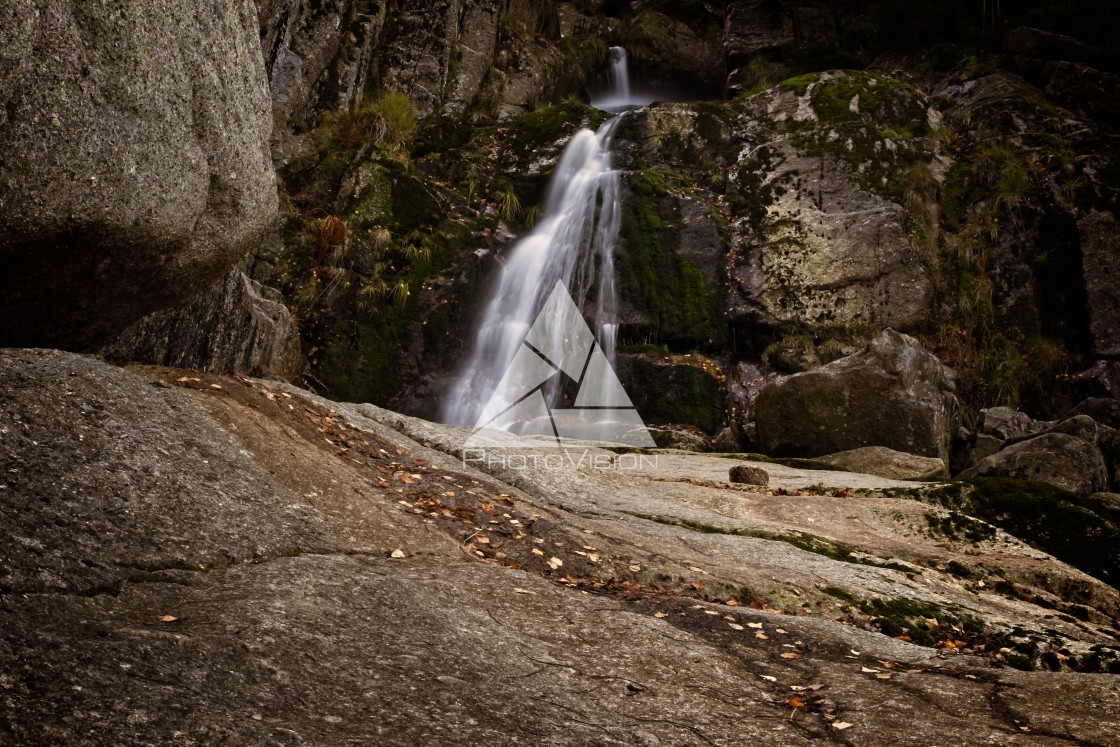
x,y
573,243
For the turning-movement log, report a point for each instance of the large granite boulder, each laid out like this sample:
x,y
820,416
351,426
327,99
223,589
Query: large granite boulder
x,y
1061,459
134,161
892,394
235,326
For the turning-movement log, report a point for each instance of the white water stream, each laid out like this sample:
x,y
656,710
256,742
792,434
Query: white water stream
x,y
574,243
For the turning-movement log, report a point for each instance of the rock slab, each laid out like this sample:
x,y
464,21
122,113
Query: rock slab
x,y
884,462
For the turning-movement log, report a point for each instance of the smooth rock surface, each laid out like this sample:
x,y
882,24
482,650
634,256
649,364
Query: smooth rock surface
x,y
134,161
884,462
893,394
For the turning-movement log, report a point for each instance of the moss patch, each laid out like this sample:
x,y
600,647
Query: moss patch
x,y
1040,514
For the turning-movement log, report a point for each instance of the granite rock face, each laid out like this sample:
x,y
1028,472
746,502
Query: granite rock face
x,y
319,55
134,161
893,394
235,326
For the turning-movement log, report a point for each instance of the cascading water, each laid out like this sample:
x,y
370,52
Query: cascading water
x,y
574,243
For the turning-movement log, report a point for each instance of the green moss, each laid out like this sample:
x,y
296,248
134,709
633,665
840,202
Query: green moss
x,y
1044,516
957,526
681,309
795,462
679,394
832,591
800,84
544,126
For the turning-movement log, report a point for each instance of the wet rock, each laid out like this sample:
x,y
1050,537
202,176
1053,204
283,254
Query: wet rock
x,y
753,28
135,167
681,390
236,326
748,474
676,44
893,394
1069,462
884,462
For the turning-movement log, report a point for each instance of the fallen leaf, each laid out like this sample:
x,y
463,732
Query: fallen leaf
x,y
841,725
734,626
398,553
215,386
518,590
796,702
710,612
555,562
660,614
768,678
761,636
538,551
868,670
756,626
168,619
883,676
790,655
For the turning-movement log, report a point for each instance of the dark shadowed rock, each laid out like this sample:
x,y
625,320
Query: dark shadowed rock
x,y
1069,462
884,462
236,326
134,163
1032,47
1086,88
748,474
893,394
728,441
1103,410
